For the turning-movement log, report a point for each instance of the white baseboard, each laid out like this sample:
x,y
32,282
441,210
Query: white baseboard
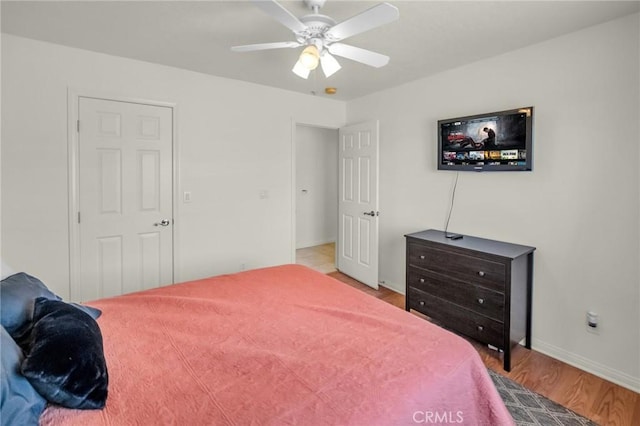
x,y
600,370
393,286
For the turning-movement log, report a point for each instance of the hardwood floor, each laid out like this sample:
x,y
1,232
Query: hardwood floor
x,y
597,399
321,258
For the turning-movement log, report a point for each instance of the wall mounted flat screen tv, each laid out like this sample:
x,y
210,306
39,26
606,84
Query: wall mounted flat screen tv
x,y
487,142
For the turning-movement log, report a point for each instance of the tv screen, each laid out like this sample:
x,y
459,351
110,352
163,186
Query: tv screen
x,y
487,142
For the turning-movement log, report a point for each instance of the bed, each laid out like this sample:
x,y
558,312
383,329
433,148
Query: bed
x,y
277,346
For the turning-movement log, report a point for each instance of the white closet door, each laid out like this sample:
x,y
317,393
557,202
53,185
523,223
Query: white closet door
x,y
125,197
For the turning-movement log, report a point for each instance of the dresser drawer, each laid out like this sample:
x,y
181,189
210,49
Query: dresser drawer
x,y
462,320
487,302
467,268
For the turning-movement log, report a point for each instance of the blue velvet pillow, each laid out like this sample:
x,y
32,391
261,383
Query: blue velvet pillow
x,y
64,356
20,404
17,294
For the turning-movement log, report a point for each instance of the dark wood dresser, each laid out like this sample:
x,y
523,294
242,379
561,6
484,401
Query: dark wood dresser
x,y
477,287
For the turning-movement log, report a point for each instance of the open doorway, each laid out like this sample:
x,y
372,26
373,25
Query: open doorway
x,y
322,258
316,196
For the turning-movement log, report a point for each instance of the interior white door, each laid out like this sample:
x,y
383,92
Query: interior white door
x,y
358,202
124,196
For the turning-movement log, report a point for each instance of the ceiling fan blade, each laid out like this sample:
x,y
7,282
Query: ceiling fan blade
x,y
329,64
357,54
369,19
266,46
280,14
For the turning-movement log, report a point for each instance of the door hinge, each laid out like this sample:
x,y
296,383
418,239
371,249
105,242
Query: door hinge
x,y
78,125
78,217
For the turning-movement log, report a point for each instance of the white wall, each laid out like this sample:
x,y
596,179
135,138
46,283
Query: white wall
x,y
579,206
234,138
317,174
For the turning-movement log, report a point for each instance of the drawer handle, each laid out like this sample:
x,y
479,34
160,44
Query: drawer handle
x,y
422,257
481,273
480,328
421,280
421,303
481,301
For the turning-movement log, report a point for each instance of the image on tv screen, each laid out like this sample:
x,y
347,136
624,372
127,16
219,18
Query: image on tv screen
x,y
497,139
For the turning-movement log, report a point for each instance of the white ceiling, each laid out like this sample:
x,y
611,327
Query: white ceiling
x,y
429,37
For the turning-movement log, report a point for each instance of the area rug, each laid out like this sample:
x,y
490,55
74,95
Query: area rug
x,y
529,408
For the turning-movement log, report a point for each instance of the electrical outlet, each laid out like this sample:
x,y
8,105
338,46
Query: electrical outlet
x,y
186,197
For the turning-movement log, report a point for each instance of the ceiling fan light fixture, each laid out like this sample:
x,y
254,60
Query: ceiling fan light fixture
x,y
310,57
300,70
329,64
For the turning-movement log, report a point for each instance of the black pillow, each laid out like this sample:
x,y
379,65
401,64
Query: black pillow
x,y
64,356
94,312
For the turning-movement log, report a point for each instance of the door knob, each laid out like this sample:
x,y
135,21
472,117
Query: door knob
x,y
371,213
163,222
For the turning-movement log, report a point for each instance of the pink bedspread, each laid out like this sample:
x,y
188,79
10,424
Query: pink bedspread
x,y
278,346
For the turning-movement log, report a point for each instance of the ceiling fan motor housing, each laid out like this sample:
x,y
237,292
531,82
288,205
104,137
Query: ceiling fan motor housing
x,y
317,26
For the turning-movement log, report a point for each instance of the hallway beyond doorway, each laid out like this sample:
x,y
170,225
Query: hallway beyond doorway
x,y
321,258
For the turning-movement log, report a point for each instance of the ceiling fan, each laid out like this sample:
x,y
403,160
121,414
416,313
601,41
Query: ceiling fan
x,y
321,35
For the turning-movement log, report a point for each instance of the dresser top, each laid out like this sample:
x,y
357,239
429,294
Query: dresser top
x,y
497,248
